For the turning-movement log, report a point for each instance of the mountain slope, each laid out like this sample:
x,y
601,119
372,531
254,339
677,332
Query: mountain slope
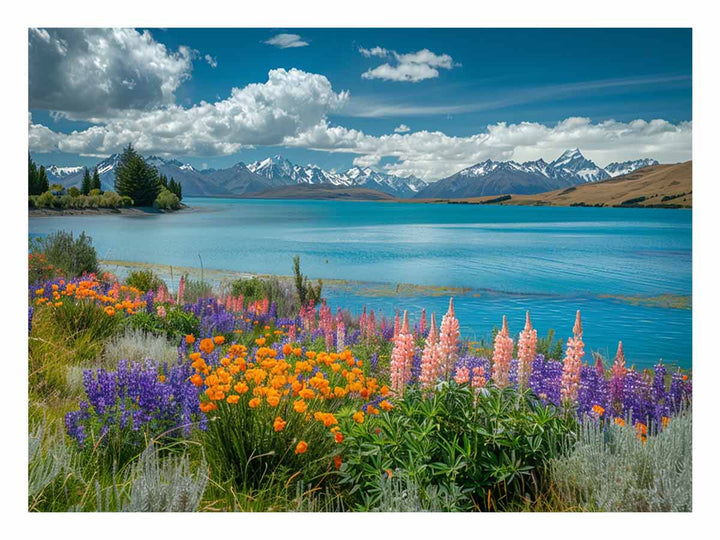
x,y
667,186
509,177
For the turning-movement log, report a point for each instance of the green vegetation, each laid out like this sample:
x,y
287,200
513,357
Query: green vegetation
x,y
305,290
144,280
136,179
74,256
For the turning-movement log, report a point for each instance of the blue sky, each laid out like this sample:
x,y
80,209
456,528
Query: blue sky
x,y
466,81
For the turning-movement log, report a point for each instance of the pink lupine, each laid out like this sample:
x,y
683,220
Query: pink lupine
x,y
618,372
502,356
396,327
161,312
599,367
478,377
371,325
430,366
402,358
449,340
340,331
462,375
527,348
423,323
161,294
228,303
572,363
181,290
363,322
291,332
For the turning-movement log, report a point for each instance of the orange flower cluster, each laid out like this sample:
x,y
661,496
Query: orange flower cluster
x,y
90,289
292,383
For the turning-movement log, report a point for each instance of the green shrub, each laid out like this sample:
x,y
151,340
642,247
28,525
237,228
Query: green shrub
x,y
95,192
251,289
166,200
496,445
62,250
609,469
305,290
46,200
144,280
176,323
74,192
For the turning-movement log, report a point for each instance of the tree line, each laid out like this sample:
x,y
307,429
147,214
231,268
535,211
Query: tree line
x,y
136,181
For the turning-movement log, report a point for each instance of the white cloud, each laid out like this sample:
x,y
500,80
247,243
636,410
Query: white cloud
x,y
402,128
286,41
289,103
410,67
292,107
211,61
88,73
434,155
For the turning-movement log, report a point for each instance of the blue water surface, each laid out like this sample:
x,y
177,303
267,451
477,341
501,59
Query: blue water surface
x,y
552,261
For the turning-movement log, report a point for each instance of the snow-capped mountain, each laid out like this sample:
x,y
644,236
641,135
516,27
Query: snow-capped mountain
x,y
278,169
508,177
626,167
55,173
573,163
486,178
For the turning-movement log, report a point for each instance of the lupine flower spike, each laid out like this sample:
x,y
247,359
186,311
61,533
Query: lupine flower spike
x,y
502,356
449,340
527,348
430,366
401,358
572,364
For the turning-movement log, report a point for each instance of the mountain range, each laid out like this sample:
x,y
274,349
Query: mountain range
x,y
486,178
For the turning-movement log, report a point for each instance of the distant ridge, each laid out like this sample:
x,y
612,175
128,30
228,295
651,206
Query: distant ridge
x,y
486,178
657,186
322,192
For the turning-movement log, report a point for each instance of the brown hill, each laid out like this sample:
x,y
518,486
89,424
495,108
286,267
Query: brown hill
x,y
322,191
663,186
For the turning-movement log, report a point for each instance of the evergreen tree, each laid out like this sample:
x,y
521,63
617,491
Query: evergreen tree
x,y
163,181
85,187
175,187
136,179
42,181
33,186
95,183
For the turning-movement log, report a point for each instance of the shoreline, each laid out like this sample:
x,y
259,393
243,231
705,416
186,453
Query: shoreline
x,y
136,211
374,289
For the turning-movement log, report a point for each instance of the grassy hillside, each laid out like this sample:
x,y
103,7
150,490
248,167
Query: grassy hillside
x,y
665,186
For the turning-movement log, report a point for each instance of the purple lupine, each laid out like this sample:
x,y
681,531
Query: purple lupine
x,y
31,310
150,302
142,397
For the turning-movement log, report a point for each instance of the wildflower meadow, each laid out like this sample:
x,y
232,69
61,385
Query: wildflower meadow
x,y
194,399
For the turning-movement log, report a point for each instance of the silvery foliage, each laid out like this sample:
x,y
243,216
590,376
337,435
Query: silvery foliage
x,y
309,499
44,466
402,494
136,345
612,470
164,485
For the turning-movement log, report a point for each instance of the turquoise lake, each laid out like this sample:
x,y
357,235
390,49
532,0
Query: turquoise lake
x,y
628,270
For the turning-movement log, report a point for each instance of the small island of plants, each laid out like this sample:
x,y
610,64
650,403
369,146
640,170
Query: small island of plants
x,y
137,184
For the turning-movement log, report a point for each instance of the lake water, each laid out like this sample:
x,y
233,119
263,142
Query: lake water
x,y
628,270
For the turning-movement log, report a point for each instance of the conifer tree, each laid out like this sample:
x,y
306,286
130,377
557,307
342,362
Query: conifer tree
x,y
43,184
136,179
85,187
95,183
33,186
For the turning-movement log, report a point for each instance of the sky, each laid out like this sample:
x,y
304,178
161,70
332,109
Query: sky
x,y
427,102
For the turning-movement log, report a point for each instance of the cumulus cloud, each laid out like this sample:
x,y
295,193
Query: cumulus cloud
x,y
434,155
90,73
409,67
211,61
292,109
289,103
286,41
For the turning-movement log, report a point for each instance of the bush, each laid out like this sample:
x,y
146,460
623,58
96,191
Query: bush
x,y
196,289
74,192
137,345
251,289
62,250
144,280
46,200
274,289
496,445
305,290
176,323
611,470
167,200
